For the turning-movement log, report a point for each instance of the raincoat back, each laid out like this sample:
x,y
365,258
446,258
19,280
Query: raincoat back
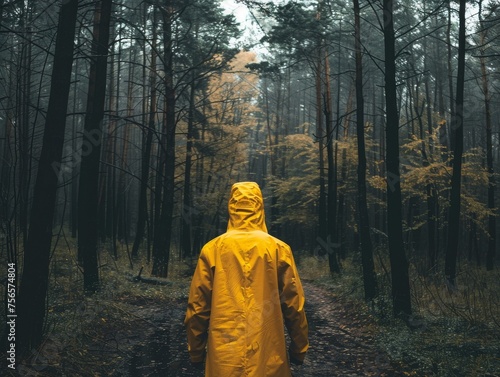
x,y
244,290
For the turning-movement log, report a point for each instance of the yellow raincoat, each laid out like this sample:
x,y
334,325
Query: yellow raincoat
x,y
245,283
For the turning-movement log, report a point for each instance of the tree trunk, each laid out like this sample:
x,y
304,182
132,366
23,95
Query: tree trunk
x,y
75,162
23,117
34,283
146,155
369,277
163,229
123,190
450,73
333,259
399,264
341,223
187,219
430,190
457,128
92,140
322,206
108,189
147,137
490,254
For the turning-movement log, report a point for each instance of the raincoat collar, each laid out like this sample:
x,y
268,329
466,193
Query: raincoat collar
x,y
246,207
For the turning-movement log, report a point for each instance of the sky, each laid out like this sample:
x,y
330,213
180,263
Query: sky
x,y
251,32
239,10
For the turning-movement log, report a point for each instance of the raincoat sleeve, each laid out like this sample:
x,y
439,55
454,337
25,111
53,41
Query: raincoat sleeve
x,y
292,305
199,306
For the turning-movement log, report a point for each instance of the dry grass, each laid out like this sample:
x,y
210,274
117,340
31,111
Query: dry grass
x,y
458,335
96,333
457,331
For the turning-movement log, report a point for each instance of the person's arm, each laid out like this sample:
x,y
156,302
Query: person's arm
x,y
292,305
198,311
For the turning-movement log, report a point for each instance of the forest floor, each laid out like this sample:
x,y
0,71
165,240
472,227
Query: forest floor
x,y
135,329
149,339
342,342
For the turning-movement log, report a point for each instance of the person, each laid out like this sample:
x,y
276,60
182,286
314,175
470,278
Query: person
x,y
244,288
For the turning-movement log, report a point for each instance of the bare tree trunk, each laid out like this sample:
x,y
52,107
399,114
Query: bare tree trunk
x,y
322,205
399,264
163,229
123,191
108,191
369,277
430,190
341,223
457,128
490,254
147,139
450,73
23,118
333,259
76,163
92,139
34,283
187,218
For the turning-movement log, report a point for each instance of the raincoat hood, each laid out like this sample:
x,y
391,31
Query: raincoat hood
x,y
246,207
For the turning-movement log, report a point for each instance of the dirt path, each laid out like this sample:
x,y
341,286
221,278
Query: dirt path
x,y
341,342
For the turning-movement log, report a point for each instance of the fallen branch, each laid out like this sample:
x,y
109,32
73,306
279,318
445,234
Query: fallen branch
x,y
150,280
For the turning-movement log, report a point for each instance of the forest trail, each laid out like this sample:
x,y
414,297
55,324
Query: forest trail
x,y
341,342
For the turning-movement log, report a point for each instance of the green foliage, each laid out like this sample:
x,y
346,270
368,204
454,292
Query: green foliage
x,y
204,32
298,28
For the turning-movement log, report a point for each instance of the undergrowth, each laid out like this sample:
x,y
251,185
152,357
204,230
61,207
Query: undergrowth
x,y
92,335
451,333
454,332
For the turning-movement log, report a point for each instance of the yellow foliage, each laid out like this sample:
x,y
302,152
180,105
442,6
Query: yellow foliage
x,y
428,163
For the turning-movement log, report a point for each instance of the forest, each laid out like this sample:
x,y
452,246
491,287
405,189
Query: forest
x,y
371,126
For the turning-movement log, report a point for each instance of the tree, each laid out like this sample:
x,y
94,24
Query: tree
x,y
331,206
163,224
147,138
431,195
369,277
490,255
399,265
92,139
302,31
457,134
207,52
35,279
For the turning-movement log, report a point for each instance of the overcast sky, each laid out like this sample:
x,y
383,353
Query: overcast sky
x,y
251,32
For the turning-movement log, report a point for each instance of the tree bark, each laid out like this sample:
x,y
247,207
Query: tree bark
x,y
490,254
341,223
187,218
450,73
369,277
457,128
92,139
333,259
322,205
399,264
430,190
147,137
163,228
34,283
